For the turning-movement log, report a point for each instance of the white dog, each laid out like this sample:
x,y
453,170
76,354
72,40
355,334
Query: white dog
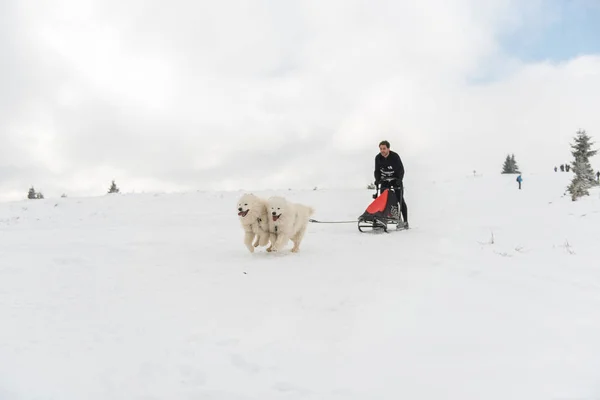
x,y
252,211
287,221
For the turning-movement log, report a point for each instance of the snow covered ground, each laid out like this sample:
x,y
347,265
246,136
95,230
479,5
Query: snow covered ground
x,y
494,294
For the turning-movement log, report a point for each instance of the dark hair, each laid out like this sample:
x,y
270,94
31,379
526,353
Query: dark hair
x,y
385,143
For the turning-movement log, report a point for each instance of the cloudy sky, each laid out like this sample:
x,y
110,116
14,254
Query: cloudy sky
x,y
228,94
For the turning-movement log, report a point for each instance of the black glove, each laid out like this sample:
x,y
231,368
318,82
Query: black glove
x,y
377,183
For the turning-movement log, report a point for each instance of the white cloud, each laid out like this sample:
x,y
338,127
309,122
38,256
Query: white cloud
x,y
255,94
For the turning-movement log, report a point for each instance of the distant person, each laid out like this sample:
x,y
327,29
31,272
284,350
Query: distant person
x,y
598,176
562,168
555,169
389,173
519,179
568,167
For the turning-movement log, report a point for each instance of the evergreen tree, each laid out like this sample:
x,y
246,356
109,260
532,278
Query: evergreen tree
x,y
113,188
33,195
510,165
583,174
506,168
582,149
514,165
579,186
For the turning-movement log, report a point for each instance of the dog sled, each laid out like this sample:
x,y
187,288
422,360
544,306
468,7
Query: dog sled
x,y
381,212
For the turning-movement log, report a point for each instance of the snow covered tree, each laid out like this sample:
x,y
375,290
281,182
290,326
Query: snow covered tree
x,y
579,186
113,188
510,165
33,195
583,174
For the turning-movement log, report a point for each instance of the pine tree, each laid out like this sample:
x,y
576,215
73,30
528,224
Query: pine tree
x,y
39,195
582,150
579,186
510,165
583,174
31,195
513,163
113,188
506,168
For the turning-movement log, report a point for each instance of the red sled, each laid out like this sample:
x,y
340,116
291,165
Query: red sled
x,y
381,212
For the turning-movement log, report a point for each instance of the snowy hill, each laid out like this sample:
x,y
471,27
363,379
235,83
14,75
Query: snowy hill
x,y
494,294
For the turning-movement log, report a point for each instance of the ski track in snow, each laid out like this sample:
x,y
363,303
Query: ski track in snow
x,y
156,297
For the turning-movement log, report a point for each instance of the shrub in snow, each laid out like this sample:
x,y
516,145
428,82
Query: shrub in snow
x,y
33,195
113,188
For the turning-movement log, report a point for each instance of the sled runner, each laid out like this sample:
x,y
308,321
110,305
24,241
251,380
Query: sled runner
x,y
381,212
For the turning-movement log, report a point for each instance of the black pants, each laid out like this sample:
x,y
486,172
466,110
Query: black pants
x,y
399,192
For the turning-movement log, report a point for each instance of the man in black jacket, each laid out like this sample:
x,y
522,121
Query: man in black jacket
x,y
389,173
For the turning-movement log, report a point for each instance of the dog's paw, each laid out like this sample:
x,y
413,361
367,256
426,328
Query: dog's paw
x,y
256,244
295,250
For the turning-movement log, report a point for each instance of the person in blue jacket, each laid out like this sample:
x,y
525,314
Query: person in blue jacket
x,y
519,179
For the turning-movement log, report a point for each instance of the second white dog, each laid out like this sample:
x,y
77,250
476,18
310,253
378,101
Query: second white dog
x,y
287,221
